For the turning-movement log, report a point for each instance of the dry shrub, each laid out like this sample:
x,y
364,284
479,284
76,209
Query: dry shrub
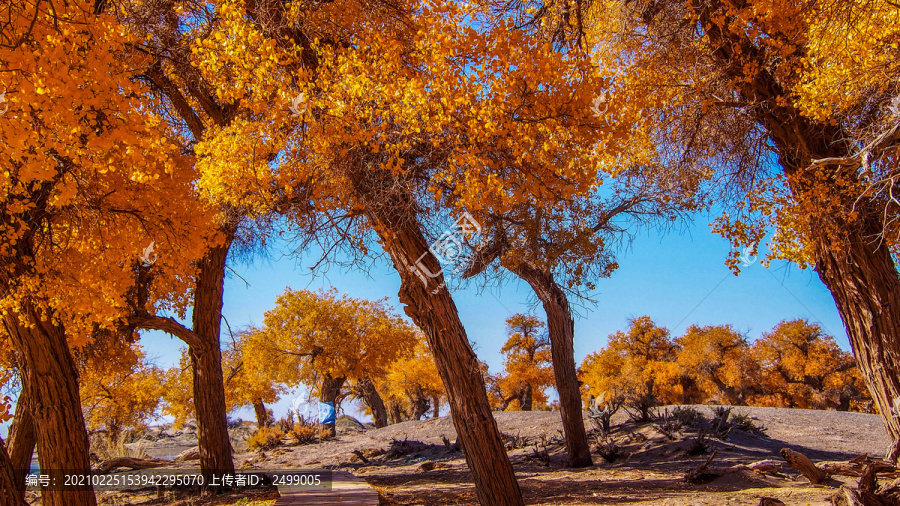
x,y
266,438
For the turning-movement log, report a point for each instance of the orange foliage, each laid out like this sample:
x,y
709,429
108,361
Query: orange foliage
x,y
527,365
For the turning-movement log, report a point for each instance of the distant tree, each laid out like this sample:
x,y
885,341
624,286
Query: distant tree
x,y
716,361
413,385
802,367
527,365
639,364
120,390
321,339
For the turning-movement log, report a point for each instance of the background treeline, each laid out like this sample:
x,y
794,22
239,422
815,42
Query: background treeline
x,y
344,349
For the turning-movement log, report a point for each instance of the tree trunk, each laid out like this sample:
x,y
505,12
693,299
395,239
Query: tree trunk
x,y
21,441
50,382
396,412
206,358
526,402
11,493
429,304
864,283
374,401
561,328
331,389
262,416
436,402
850,259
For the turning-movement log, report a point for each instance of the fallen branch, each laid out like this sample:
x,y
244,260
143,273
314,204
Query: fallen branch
x,y
802,463
700,471
130,463
704,471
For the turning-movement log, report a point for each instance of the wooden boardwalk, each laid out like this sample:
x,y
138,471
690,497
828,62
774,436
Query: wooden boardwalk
x,y
347,490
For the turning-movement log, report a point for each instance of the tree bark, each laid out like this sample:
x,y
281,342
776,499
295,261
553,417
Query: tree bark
x,y
428,303
864,283
262,416
395,411
11,494
50,382
331,389
374,401
561,328
21,441
206,358
436,402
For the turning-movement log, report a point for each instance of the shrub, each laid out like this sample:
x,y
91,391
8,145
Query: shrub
x,y
266,438
303,431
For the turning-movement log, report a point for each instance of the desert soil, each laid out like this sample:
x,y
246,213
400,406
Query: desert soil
x,y
424,471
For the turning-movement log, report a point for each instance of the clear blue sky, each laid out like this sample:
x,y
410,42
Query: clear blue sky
x,y
678,279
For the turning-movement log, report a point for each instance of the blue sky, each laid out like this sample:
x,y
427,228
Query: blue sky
x,y
678,279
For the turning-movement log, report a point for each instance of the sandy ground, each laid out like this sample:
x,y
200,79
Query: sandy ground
x,y
651,473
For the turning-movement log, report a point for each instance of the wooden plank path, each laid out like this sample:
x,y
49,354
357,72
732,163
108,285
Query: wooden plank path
x,y
347,490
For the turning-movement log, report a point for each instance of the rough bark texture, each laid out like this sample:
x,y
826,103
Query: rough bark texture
x,y
21,441
374,401
262,416
850,259
389,207
50,382
10,493
561,328
436,403
206,358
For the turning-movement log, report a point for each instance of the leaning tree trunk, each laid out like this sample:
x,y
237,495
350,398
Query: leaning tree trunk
x,y
206,358
850,259
864,283
21,441
11,494
50,382
429,304
374,401
561,328
331,389
262,416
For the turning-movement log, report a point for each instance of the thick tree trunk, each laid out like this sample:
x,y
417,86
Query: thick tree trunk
x,y
864,283
21,441
262,416
395,411
374,401
11,493
206,358
561,328
429,304
331,389
50,382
